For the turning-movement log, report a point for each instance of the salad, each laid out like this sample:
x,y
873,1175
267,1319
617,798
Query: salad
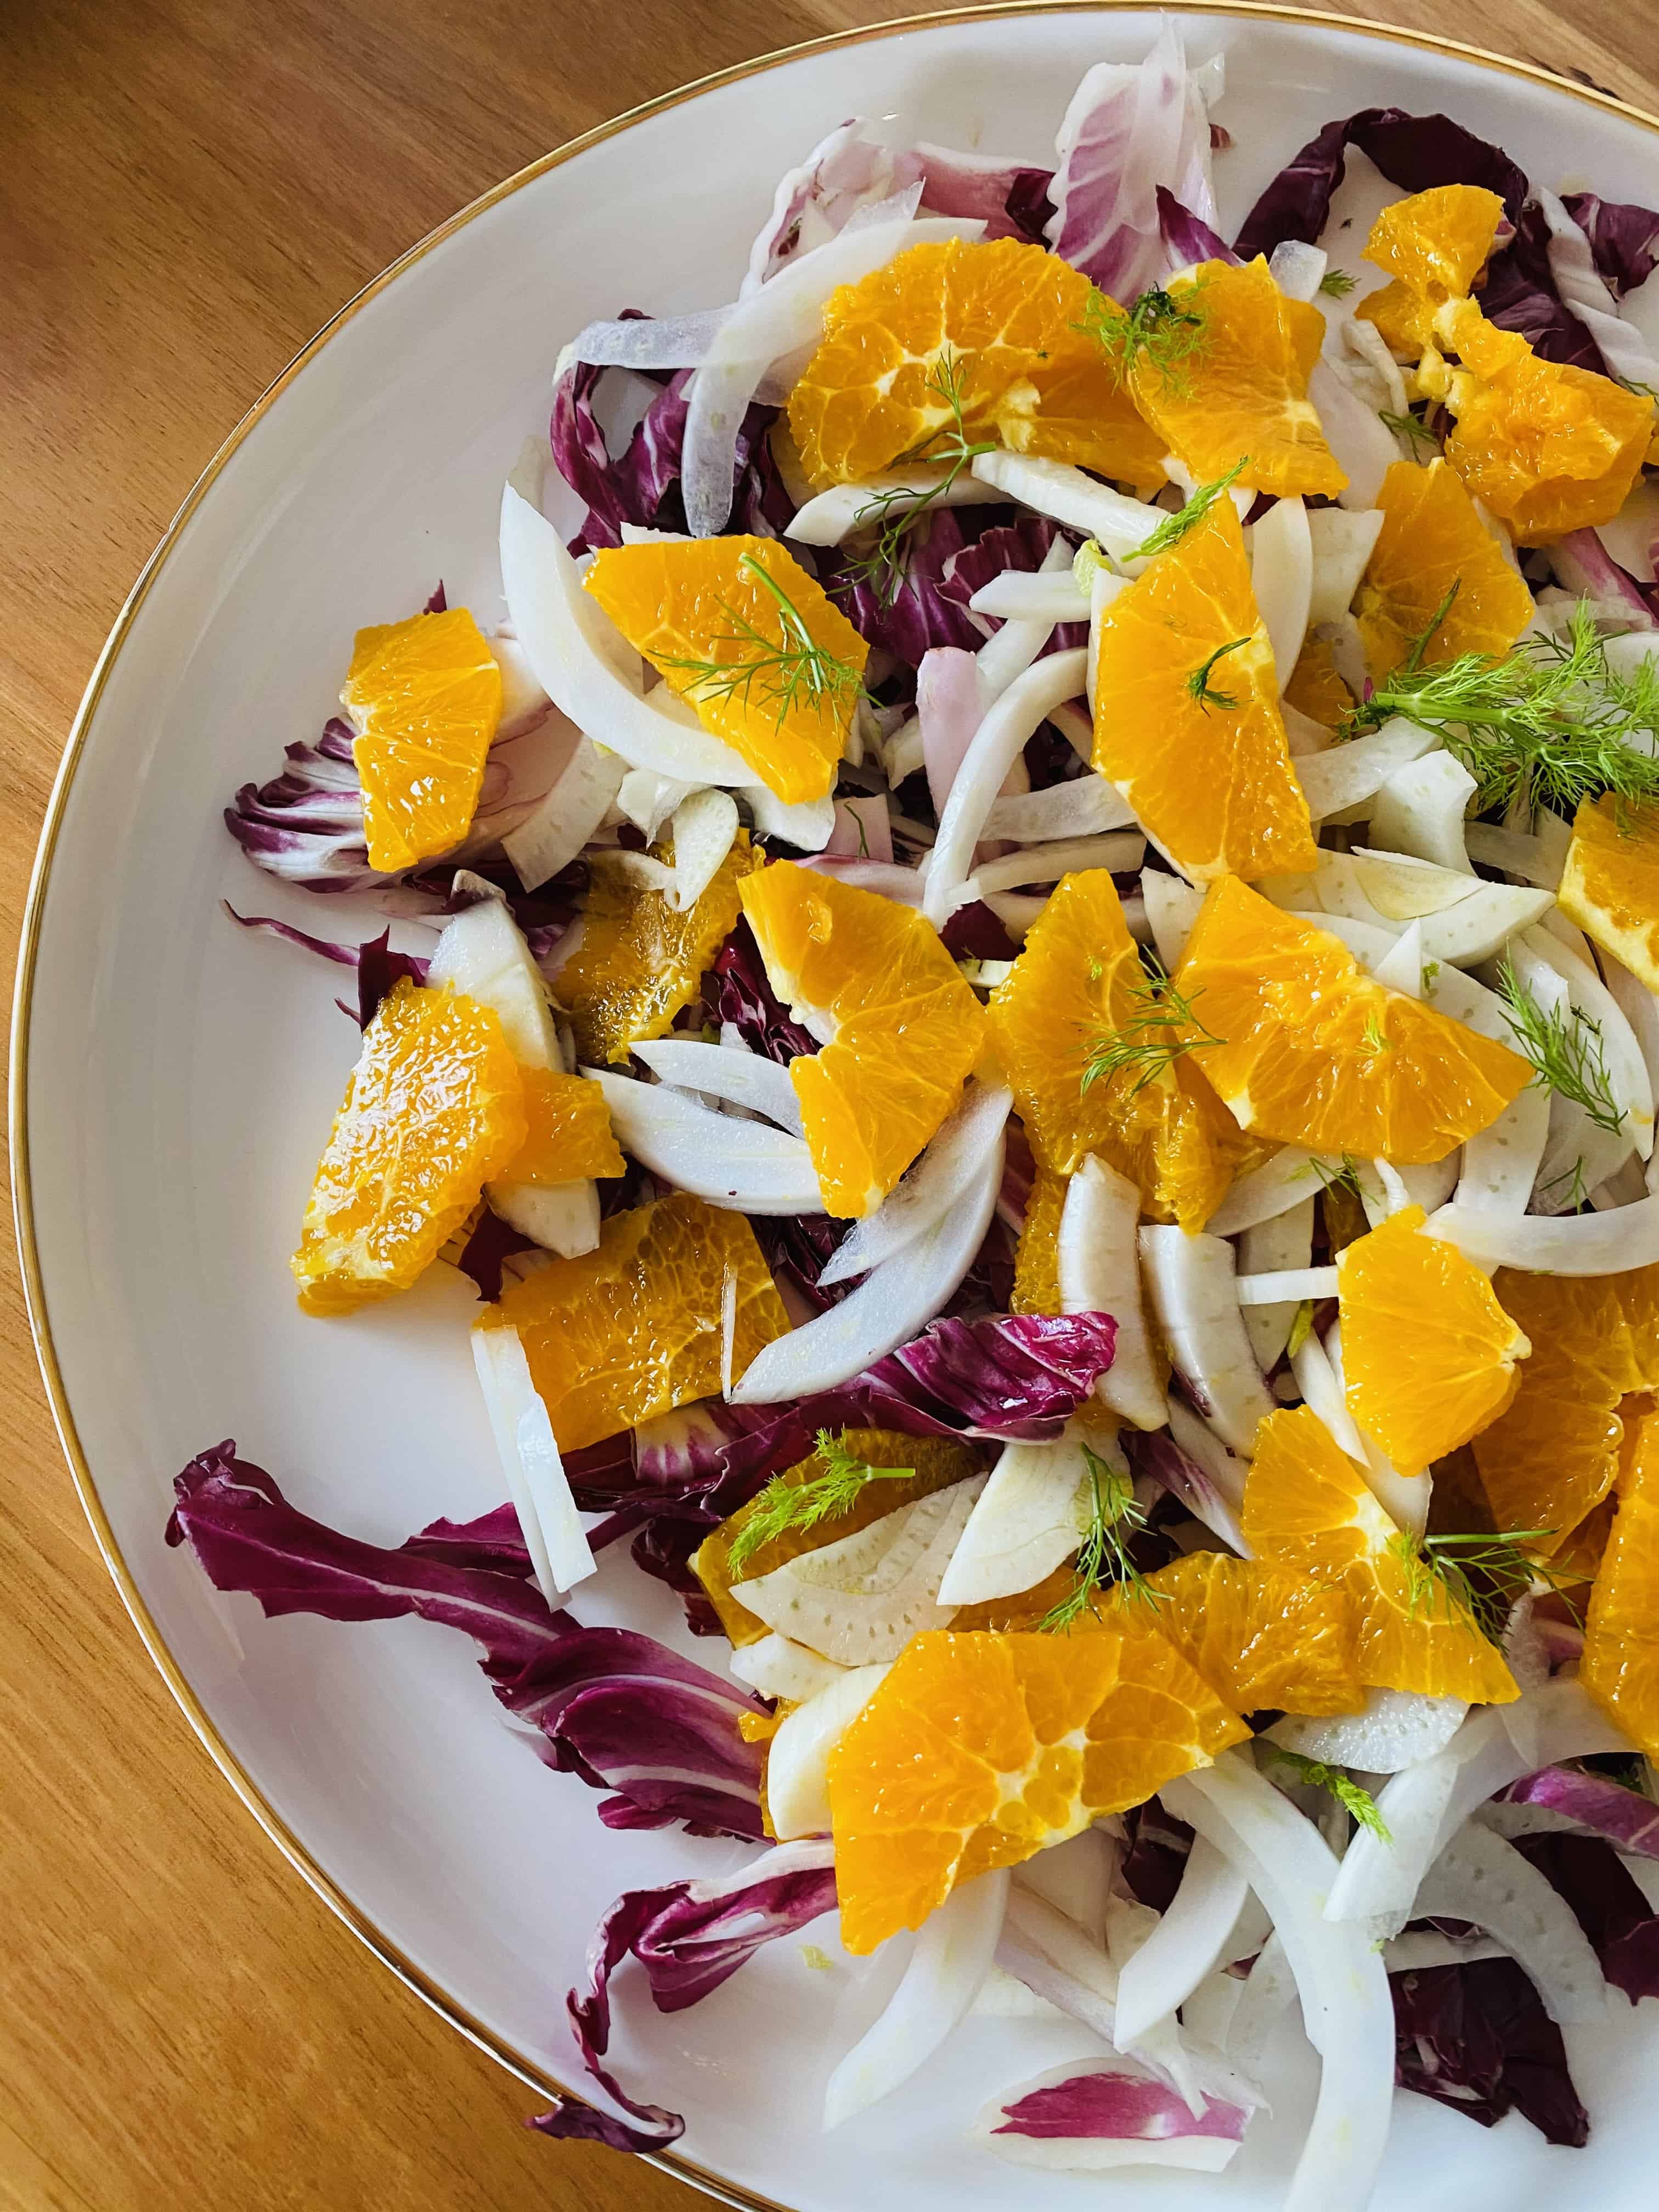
x,y
1027,982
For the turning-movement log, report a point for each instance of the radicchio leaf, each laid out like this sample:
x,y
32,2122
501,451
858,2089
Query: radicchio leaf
x,y
1415,152
1477,2038
688,1937
910,621
1187,239
1623,239
1022,544
1110,2100
736,990
306,824
1621,1817
1606,1902
1156,1860
603,1698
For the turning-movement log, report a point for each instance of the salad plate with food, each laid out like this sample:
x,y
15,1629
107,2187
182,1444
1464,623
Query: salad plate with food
x,y
929,1106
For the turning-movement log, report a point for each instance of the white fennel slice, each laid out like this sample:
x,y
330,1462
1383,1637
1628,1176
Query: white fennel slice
x,y
1286,1240
1187,1943
1422,809
721,1071
1172,907
832,515
1394,1729
1342,545
705,826
1349,775
778,1668
566,815
1027,1519
1098,1264
941,1179
797,1758
747,1166
1481,1878
560,1217
1281,571
1194,1299
483,952
553,1532
860,1600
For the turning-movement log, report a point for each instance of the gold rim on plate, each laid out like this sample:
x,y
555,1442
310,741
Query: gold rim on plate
x,y
533,2075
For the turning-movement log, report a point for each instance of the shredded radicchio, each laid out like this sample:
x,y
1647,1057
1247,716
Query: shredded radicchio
x,y
619,1709
1476,2037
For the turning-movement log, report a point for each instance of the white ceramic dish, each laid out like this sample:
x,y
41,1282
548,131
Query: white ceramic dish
x,y
173,1078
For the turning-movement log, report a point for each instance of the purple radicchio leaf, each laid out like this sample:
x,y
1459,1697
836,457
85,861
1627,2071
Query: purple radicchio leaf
x,y
491,1244
305,825
1477,2038
1011,200
1022,544
439,603
1619,1816
1156,1860
1415,152
1520,295
1186,238
1624,239
1107,2099
918,616
736,990
689,1937
1607,1904
603,1698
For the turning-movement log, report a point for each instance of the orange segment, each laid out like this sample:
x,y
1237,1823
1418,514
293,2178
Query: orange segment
x,y
936,1461
639,960
978,1751
1429,1354
1550,449
1432,538
424,697
1316,688
1307,1506
634,1329
1241,392
1610,885
1553,1457
434,1110
567,1131
1262,1635
1316,1054
1078,980
1002,327
1187,720
907,1028
1036,1256
740,630
1621,1667
1434,245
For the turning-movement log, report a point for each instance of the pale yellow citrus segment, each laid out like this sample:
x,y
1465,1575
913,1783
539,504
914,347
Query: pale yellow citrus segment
x,y
1434,245
1000,326
979,1750
640,959
434,1110
1236,388
1621,1666
1438,578
768,659
634,1328
1610,885
425,699
1314,1053
906,1028
1429,1354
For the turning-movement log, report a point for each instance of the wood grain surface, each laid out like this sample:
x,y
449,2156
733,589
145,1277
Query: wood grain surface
x,y
188,188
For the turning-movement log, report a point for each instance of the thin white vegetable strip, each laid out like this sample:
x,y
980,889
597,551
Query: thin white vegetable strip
x,y
953,1954
1097,1260
1172,907
553,1532
1421,810
746,1165
1187,1943
1394,1729
1269,1991
835,514
1342,545
1281,570
1018,593
1195,1297
1220,1501
1276,1187
1576,1245
1117,523
1627,1073
1025,1522
1404,1497
1280,1284
1009,722
1349,775
1086,806
1316,1379
1013,649
1513,851
1119,853
1345,2004
953,1161
1287,1241
723,1072
1481,1878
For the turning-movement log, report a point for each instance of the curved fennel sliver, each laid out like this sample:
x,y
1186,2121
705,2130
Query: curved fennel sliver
x,y
1190,1286
585,665
747,1166
947,1169
1098,1259
1281,574
1571,1244
721,1071
1481,1878
1187,1943
1024,1523
894,1301
1343,1985
953,1955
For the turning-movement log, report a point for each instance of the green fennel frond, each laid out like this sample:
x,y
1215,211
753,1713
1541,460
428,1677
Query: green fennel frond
x,y
1336,283
827,1495
786,671
895,515
1353,1800
1564,1049
1112,1517
1480,1575
1160,328
1161,1025
1175,527
1199,685
1411,427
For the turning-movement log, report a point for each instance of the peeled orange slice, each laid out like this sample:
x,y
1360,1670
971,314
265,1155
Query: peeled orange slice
x,y
1549,448
1075,985
634,1328
1236,388
425,699
1262,1635
997,328
978,1751
1621,1666
904,1027
1432,539
1307,1505
1187,720
1551,1458
1316,688
1434,245
742,632
639,959
1036,1256
1316,1054
567,1131
1429,1355
1610,885
434,1110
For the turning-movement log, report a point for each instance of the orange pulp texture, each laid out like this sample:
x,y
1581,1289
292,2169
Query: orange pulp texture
x,y
1620,1668
567,1131
1187,720
907,1028
742,649
1433,543
1610,885
425,699
1434,245
1262,1635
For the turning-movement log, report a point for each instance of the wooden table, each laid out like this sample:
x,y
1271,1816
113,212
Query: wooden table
x,y
188,188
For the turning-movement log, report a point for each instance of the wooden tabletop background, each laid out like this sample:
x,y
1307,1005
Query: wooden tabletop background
x,y
188,188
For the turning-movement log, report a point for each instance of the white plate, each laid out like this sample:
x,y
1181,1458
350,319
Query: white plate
x,y
173,1080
